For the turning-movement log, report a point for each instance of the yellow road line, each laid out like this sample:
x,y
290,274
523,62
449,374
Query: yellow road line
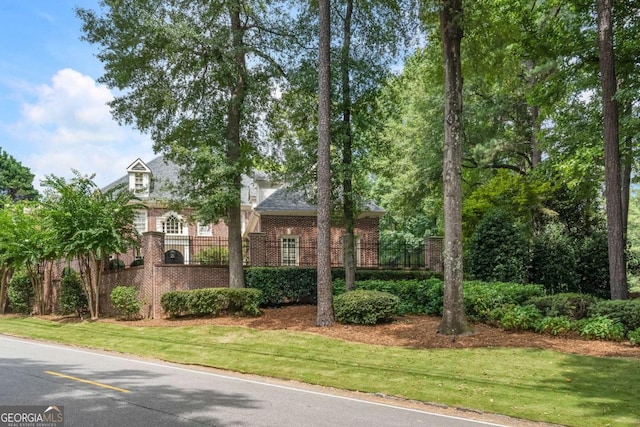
x,y
57,374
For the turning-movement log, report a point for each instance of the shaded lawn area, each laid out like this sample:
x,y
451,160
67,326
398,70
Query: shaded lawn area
x,y
532,384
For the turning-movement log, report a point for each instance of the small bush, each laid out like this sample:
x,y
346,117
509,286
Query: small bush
x,y
126,302
572,305
214,255
138,261
365,307
519,318
212,302
72,296
480,298
634,337
555,326
21,296
626,312
115,264
603,328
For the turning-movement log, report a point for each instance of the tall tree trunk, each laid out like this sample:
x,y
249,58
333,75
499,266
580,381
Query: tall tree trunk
x,y
454,320
238,93
324,315
613,187
347,157
5,275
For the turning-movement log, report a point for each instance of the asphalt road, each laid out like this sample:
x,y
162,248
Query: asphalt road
x,y
102,389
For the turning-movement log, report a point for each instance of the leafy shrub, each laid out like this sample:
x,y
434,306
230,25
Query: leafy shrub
x,y
593,265
21,295
627,312
365,307
480,298
136,262
498,249
572,305
125,300
361,274
559,325
115,264
72,296
518,318
212,302
213,255
283,285
601,327
634,337
416,296
553,261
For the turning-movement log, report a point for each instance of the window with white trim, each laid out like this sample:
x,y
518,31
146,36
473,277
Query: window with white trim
x,y
140,221
172,223
204,229
139,182
290,250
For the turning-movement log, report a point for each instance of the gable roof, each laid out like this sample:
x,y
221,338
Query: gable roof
x,y
283,201
287,201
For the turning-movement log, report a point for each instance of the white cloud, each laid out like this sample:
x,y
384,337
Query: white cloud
x,y
69,126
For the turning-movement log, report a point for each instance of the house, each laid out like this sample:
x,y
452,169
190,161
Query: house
x,y
272,213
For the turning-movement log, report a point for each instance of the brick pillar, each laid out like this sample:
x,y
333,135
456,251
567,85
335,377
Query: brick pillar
x,y
257,249
433,254
153,253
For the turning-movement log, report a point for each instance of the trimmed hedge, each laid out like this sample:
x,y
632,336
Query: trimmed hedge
x,y
212,302
72,296
281,285
21,295
365,307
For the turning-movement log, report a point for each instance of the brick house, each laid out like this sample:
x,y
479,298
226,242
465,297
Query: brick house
x,y
273,214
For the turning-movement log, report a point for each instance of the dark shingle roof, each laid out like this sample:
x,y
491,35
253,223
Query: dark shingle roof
x,y
287,200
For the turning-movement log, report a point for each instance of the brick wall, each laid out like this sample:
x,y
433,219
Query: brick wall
x,y
274,227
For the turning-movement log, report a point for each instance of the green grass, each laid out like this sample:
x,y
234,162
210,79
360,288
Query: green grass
x,y
524,383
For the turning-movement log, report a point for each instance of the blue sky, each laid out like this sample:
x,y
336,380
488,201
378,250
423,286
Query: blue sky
x,y
53,114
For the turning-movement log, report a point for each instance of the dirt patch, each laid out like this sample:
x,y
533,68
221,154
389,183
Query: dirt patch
x,y
407,331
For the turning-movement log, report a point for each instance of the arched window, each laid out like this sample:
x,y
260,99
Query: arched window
x,y
172,224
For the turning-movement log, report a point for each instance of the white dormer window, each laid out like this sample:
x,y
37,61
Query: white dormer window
x,y
173,224
139,178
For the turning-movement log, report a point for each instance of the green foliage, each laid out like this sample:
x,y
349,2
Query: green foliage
x,y
16,180
72,297
627,312
363,274
365,307
415,296
213,255
136,262
126,301
498,250
602,327
212,302
553,260
21,295
517,317
555,326
115,264
480,298
572,305
283,285
634,337
593,264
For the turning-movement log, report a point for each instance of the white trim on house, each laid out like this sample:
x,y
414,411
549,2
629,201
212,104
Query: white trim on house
x,y
172,224
289,250
141,221
139,178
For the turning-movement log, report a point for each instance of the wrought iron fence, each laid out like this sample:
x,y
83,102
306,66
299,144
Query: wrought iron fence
x,y
284,252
